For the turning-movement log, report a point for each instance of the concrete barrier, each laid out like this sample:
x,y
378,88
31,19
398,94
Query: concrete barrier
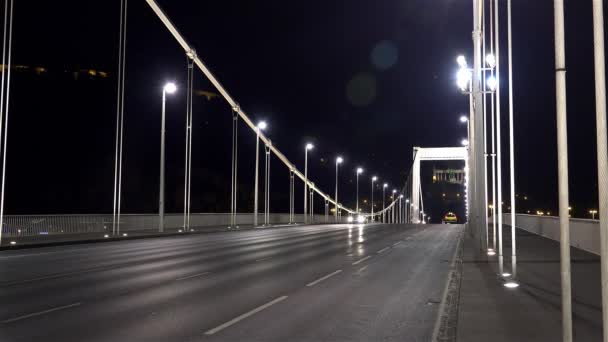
x,y
584,233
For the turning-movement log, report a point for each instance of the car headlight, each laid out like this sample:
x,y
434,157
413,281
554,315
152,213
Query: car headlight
x,y
361,219
349,219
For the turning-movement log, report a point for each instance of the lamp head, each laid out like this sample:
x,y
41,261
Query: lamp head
x,y
170,88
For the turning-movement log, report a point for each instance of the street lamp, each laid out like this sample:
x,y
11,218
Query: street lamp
x,y
339,160
359,171
407,210
374,178
465,142
593,212
465,120
383,205
169,88
393,210
260,127
307,148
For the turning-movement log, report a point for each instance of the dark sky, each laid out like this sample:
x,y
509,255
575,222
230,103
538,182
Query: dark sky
x,y
366,79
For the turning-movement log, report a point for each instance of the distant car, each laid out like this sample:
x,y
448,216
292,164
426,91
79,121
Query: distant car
x,y
449,218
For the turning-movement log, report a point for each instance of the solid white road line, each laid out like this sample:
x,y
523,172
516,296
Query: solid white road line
x,y
323,278
262,259
192,276
10,320
245,315
383,250
362,268
361,260
397,243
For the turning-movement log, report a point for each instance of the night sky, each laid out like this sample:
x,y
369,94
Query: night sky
x,y
364,79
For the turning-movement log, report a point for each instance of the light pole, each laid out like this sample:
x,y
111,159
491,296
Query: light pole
x,y
407,210
593,213
383,205
169,88
260,127
374,178
400,209
359,171
393,211
308,147
339,161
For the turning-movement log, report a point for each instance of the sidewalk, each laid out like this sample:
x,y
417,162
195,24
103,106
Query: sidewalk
x,y
490,312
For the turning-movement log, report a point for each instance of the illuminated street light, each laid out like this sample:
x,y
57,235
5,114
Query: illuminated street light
x,y
464,119
307,148
464,142
169,88
374,178
359,171
384,186
463,79
260,127
339,160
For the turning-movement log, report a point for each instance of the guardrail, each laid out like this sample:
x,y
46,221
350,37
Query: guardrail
x,y
42,226
584,233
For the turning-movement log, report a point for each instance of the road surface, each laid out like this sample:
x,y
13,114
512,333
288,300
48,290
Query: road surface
x,y
309,283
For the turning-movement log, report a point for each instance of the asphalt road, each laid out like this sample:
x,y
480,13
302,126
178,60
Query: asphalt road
x,y
309,283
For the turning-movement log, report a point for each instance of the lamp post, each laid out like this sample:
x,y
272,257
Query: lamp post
x,y
593,213
374,178
383,205
308,147
400,209
359,171
393,211
169,88
260,127
339,161
407,210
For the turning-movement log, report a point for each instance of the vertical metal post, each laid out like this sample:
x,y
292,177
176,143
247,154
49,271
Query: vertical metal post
x,y
498,204
372,218
485,125
235,158
562,162
492,126
357,196
336,197
291,195
305,184
312,206
267,191
161,196
257,175
400,210
478,129
511,146
602,150
383,205
119,112
188,157
326,211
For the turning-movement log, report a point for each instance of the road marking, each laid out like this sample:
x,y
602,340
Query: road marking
x,y
192,276
10,320
383,250
262,259
397,243
323,278
362,268
361,260
245,315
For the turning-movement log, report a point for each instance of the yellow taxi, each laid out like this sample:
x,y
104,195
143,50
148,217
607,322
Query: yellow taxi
x,y
449,218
